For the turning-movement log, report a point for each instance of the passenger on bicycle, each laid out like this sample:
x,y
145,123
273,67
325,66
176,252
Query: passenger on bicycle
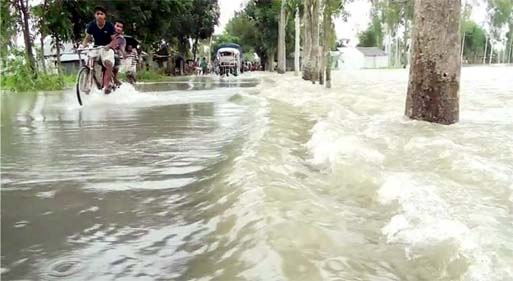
x,y
101,31
118,44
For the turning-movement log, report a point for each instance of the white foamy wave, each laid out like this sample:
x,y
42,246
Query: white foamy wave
x,y
171,183
424,224
424,218
331,145
128,96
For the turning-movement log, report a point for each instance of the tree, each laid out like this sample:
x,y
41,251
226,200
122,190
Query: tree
x,y
368,38
297,42
244,31
205,15
331,8
392,14
474,42
281,39
8,30
500,14
311,56
40,12
509,43
58,25
264,14
22,9
373,36
435,71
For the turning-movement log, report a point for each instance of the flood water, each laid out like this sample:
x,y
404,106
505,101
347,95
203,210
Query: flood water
x,y
261,177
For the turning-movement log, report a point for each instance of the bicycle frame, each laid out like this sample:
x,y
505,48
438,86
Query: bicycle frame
x,y
91,62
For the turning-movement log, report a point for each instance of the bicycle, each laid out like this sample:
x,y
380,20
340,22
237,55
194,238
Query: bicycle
x,y
91,72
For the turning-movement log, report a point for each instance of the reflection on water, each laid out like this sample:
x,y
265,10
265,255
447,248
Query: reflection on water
x,y
198,83
209,179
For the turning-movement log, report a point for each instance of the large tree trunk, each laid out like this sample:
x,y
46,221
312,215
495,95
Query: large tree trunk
x,y
282,63
328,40
321,65
270,61
397,51
315,50
316,39
58,50
297,45
387,47
195,47
22,6
406,36
491,53
485,50
42,37
42,52
462,46
307,48
328,71
170,62
433,88
510,60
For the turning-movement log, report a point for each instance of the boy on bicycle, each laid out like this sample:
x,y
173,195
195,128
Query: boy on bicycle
x,y
118,44
101,31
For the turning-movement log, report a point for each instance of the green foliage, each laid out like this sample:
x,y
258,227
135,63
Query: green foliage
x,y
204,16
475,40
150,75
393,13
152,21
265,14
7,28
223,39
53,20
256,27
18,77
500,12
242,30
373,36
367,39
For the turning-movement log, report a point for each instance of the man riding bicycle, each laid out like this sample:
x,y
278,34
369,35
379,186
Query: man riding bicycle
x,y
101,31
118,44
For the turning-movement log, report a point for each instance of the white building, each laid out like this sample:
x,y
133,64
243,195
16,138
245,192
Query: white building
x,y
362,57
69,58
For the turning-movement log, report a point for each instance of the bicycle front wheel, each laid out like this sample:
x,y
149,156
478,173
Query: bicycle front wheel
x,y
83,86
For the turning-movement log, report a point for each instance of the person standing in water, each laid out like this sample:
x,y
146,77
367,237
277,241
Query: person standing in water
x,y
131,64
203,66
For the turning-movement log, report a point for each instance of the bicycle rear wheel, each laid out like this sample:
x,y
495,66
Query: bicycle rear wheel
x,y
83,85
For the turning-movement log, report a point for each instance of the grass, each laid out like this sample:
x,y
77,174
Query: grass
x,y
21,82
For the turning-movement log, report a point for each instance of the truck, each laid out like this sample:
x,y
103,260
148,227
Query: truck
x,y
228,59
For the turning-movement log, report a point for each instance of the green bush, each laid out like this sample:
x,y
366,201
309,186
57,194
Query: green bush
x,y
18,77
43,82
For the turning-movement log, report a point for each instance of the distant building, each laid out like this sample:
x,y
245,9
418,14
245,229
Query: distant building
x,y
361,57
70,63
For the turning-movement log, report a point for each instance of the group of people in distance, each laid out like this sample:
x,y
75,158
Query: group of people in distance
x,y
115,53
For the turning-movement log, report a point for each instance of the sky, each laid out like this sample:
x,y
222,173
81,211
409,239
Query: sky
x,y
228,9
358,20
